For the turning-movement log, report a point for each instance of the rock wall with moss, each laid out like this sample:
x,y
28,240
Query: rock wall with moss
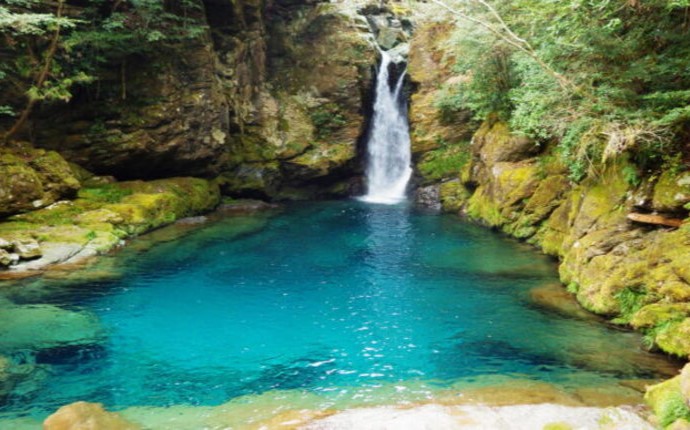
x,y
273,96
619,235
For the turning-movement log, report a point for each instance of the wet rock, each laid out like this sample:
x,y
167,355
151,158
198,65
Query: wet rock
x,y
556,298
192,220
86,416
27,249
6,244
428,197
389,37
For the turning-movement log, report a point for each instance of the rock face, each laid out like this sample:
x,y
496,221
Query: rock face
x,y
172,121
300,107
274,96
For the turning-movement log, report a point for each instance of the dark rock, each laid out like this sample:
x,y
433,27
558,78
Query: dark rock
x,y
428,197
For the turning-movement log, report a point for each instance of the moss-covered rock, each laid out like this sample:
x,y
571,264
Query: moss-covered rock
x,y
495,143
102,216
667,402
656,314
453,196
31,179
675,338
671,192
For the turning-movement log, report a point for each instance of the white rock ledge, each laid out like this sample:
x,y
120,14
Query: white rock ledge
x,y
469,417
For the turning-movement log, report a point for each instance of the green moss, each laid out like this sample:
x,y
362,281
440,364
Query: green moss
x,y
630,300
107,193
327,119
671,191
667,402
482,207
675,338
453,196
656,314
445,162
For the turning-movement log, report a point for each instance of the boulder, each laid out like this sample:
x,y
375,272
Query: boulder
x,y
33,178
27,249
5,258
428,197
86,416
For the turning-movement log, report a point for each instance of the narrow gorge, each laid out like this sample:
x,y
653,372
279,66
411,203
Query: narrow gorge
x,y
260,214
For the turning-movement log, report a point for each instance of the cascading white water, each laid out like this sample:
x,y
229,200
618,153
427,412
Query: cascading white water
x,y
388,169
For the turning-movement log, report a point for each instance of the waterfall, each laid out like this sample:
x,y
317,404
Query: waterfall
x,y
388,147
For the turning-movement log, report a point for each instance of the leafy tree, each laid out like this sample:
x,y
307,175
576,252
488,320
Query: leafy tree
x,y
49,50
601,76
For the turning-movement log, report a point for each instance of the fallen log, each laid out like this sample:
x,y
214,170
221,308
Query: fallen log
x,y
655,219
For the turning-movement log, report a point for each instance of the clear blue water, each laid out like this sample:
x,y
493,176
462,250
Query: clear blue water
x,y
323,296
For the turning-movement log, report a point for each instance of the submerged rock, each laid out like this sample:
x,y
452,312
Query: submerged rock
x,y
556,298
45,326
86,416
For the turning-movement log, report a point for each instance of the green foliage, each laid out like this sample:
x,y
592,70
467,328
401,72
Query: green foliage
x,y
445,162
673,408
51,54
604,78
631,175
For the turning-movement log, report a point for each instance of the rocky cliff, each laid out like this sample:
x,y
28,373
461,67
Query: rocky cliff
x,y
273,95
